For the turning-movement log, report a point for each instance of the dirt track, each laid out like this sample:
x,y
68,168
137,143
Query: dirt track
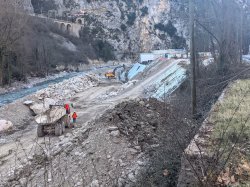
x,y
89,104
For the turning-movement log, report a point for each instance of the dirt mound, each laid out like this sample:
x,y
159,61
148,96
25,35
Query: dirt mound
x,y
138,121
151,127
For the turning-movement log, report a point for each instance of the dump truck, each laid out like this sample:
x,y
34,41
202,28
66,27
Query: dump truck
x,y
52,122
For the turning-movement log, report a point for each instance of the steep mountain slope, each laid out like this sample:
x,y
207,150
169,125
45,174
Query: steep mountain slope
x,y
129,26
24,5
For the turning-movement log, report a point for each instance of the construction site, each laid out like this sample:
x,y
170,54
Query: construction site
x,y
117,126
123,133
124,93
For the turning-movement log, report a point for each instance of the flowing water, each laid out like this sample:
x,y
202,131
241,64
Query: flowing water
x,y
12,96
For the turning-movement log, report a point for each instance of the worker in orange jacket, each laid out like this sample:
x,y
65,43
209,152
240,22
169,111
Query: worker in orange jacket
x,y
74,116
67,108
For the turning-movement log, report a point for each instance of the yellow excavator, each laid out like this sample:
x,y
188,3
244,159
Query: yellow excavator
x,y
110,75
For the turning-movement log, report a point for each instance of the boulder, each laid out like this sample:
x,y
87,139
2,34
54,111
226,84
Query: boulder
x,y
115,133
94,183
38,108
5,125
48,102
142,103
131,177
28,103
112,128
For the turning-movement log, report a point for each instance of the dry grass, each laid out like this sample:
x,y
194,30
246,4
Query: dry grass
x,y
231,119
231,135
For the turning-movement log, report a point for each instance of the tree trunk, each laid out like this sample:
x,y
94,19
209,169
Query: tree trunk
x,y
192,56
224,43
241,34
1,68
9,72
222,58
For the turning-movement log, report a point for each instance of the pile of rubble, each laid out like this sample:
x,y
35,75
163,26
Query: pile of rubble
x,y
138,121
67,88
57,93
109,151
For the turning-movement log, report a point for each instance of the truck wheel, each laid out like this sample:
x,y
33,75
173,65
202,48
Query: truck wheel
x,y
40,132
58,129
64,122
63,128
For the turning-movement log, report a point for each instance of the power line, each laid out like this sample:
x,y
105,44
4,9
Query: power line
x,y
229,78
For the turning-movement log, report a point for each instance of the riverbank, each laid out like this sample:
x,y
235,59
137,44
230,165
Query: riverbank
x,y
31,81
62,72
35,85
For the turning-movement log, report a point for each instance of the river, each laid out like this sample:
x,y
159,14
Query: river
x,y
12,96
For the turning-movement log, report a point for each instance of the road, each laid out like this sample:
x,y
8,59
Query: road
x,y
89,104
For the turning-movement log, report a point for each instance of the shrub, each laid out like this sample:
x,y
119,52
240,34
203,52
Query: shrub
x,y
17,74
169,28
131,18
144,11
178,42
123,27
104,50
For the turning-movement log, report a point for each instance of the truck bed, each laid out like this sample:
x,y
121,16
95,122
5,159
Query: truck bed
x,y
51,116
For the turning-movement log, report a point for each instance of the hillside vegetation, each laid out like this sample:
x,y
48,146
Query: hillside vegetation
x,y
32,46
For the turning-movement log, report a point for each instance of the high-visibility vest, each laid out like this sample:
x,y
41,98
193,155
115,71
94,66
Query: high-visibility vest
x,y
74,116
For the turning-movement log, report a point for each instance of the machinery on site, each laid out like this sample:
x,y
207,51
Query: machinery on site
x,y
110,75
53,121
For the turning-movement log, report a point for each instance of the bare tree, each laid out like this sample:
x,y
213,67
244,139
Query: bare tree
x,y
11,30
225,30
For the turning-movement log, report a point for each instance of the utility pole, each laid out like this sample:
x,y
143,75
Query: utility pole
x,y
241,33
192,57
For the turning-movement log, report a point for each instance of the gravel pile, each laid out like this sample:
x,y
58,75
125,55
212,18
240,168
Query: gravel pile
x,y
67,88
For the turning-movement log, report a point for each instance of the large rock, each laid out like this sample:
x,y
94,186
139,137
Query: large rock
x,y
39,108
48,102
28,103
94,183
5,125
52,116
115,133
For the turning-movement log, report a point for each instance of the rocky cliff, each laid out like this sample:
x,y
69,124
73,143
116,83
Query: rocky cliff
x,y
24,5
129,26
